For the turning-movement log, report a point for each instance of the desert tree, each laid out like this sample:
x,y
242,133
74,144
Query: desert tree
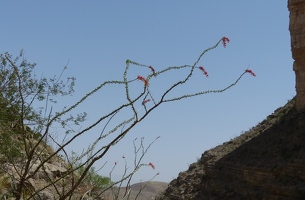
x,y
28,117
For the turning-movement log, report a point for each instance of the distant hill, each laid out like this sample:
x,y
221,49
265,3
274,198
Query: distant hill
x,y
266,162
141,191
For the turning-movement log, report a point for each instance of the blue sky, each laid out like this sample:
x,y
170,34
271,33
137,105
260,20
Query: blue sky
x,y
95,38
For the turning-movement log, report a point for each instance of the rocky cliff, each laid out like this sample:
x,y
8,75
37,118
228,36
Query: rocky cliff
x,y
266,162
297,34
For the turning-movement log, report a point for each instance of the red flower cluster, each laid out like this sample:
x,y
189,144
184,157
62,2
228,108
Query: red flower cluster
x,y
224,41
152,70
204,71
152,165
145,101
250,72
141,78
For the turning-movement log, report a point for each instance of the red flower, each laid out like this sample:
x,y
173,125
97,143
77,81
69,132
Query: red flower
x,y
152,165
141,78
204,71
250,72
224,41
152,70
145,101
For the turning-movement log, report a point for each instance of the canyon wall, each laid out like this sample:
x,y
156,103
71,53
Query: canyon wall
x,y
297,34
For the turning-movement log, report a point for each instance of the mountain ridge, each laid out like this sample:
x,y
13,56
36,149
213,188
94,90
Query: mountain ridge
x,y
265,162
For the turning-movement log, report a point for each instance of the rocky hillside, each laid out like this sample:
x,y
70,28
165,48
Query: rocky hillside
x,y
266,162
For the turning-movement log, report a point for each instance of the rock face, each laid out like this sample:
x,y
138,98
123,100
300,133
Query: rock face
x,y
267,162
297,34
41,178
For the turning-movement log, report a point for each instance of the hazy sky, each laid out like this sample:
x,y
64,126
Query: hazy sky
x,y
95,38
